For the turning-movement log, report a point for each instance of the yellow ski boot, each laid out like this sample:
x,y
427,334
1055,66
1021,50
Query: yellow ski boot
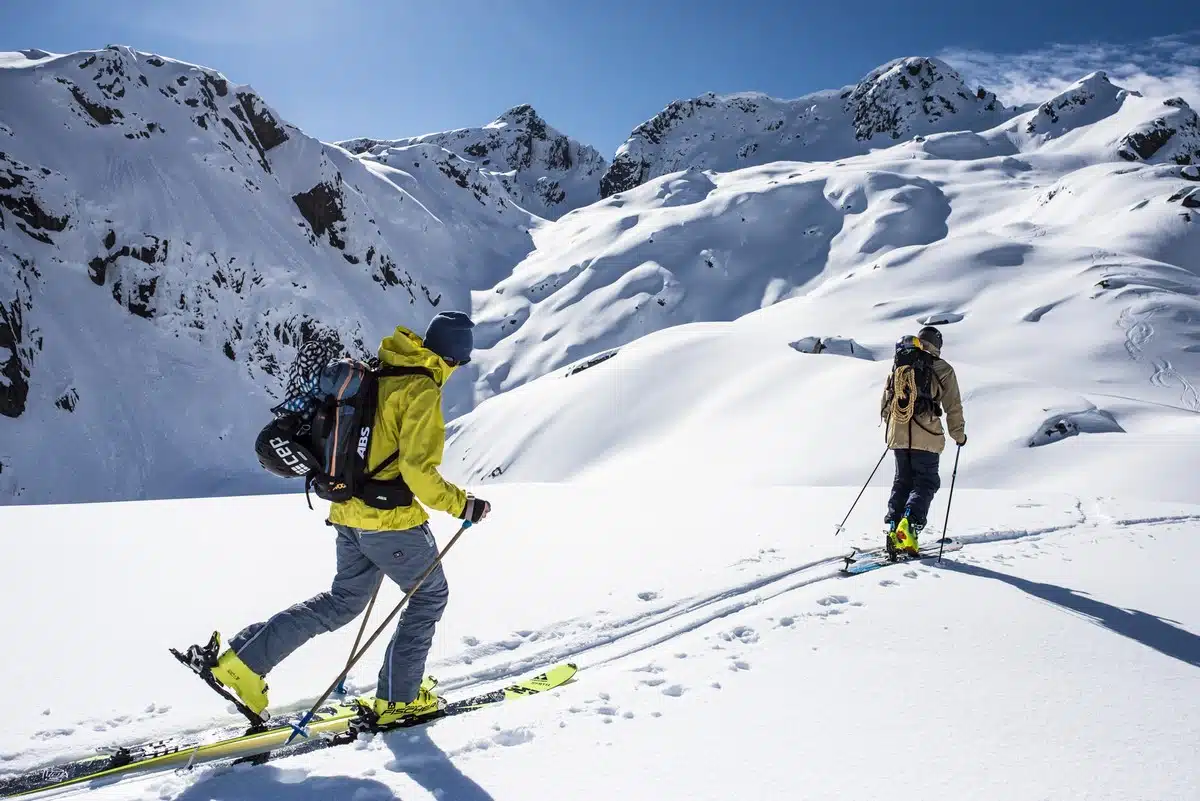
x,y
380,713
247,685
903,539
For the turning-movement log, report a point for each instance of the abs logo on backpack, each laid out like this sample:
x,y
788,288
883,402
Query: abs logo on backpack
x,y
364,438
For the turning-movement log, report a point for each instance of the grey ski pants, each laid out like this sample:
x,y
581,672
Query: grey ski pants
x,y
363,558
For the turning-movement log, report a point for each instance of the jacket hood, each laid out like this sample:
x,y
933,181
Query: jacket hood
x,y
405,349
931,348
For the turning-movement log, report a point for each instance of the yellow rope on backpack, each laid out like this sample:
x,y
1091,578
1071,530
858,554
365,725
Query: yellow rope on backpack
x,y
904,394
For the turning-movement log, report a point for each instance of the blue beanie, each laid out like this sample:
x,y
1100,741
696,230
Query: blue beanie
x,y
449,336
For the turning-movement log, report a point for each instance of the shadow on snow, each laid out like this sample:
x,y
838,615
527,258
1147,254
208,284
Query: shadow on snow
x,y
1149,630
414,754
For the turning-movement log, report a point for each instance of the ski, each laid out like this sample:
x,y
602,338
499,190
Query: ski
x,y
873,559
333,725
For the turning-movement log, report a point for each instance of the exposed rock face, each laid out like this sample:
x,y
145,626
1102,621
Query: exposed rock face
x,y
1172,137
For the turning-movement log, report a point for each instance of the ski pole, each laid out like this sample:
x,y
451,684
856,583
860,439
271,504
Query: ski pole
x,y
949,500
860,493
341,688
299,728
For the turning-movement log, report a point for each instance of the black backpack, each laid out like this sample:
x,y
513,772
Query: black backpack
x,y
910,384
322,431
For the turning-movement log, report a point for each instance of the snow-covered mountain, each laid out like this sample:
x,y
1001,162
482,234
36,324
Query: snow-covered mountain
x,y
543,171
1058,247
162,228
901,99
167,241
1095,176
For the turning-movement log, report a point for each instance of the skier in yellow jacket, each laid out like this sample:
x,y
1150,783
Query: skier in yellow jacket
x,y
921,387
396,543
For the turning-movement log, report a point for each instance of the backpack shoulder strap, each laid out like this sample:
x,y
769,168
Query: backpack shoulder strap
x,y
395,372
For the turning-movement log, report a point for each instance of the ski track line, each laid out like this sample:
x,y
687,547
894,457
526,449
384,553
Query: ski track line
x,y
1156,521
617,630
692,614
1165,374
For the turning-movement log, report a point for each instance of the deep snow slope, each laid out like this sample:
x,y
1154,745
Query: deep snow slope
x,y
544,171
166,241
721,654
1075,184
900,99
1058,249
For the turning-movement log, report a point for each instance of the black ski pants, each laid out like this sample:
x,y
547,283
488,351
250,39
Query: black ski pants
x,y
917,481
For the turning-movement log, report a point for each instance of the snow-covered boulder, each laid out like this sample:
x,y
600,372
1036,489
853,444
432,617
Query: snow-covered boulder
x,y
834,346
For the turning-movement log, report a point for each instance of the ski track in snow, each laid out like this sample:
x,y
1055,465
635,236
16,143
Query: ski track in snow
x,y
1165,375
1138,332
591,645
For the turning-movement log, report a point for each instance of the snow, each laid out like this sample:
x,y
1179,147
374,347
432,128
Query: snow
x,y
1062,635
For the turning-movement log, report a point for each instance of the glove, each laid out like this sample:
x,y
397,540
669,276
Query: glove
x,y
475,509
962,441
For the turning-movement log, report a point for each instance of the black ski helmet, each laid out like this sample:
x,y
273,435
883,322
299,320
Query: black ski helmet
x,y
931,335
280,453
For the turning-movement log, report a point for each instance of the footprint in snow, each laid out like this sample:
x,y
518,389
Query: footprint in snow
x,y
786,622
50,734
832,600
888,583
506,738
290,775
650,668
738,664
675,690
744,634
470,642
911,574
648,596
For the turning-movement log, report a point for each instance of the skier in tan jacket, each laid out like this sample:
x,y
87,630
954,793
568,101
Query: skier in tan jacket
x,y
921,387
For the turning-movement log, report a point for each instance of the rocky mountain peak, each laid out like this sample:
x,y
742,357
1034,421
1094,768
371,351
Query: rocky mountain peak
x,y
542,170
912,93
903,98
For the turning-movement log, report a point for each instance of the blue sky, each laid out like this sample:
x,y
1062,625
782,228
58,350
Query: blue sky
x,y
595,70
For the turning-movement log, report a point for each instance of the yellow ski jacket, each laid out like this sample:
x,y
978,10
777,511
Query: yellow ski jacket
x,y
408,419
